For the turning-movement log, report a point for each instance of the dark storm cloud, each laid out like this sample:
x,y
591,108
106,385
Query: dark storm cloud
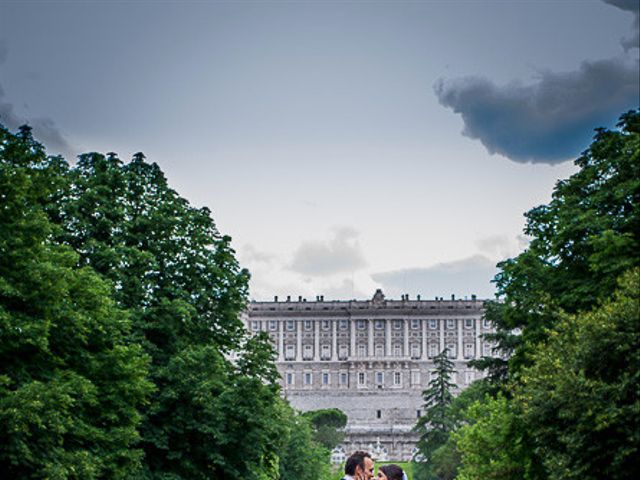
x,y
552,119
44,129
464,277
632,6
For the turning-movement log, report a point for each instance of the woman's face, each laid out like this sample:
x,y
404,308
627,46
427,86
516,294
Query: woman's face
x,y
381,475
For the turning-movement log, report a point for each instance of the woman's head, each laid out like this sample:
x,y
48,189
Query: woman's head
x,y
390,472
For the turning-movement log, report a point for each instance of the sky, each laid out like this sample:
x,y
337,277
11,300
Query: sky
x,y
345,146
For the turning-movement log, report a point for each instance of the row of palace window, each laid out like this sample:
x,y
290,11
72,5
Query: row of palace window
x,y
361,378
415,348
325,325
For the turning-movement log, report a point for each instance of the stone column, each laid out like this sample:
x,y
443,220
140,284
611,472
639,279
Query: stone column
x,y
424,338
352,352
387,338
370,352
281,323
441,322
316,340
460,355
298,340
478,339
334,340
406,352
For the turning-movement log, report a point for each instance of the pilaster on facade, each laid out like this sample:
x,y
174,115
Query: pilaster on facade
x,y
424,355
387,329
316,340
334,340
281,340
460,352
299,340
352,339
478,332
405,349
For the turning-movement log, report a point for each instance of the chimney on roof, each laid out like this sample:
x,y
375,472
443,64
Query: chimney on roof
x,y
275,298
453,297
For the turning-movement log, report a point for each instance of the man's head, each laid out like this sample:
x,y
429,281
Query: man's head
x,y
359,465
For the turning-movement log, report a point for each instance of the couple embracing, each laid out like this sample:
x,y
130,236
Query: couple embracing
x,y
359,466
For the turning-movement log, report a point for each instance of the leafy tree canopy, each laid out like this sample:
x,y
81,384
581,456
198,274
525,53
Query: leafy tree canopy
x,y
144,386
301,456
580,397
436,423
581,242
71,383
328,426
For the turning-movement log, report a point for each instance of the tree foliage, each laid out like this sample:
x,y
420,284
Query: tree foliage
x,y
179,278
301,456
436,423
581,242
71,384
328,426
581,397
570,404
492,446
123,352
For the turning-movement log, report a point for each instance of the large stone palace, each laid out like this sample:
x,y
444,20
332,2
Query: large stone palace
x,y
371,359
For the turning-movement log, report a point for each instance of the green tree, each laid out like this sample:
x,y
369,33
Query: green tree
x,y
301,457
581,242
178,277
581,397
436,423
328,426
492,446
446,460
71,383
565,420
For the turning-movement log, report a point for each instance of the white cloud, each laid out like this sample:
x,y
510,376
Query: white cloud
x,y
462,278
501,247
341,253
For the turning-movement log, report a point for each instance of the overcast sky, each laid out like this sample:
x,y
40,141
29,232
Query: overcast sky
x,y
345,146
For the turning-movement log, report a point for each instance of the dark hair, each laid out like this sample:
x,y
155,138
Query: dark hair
x,y
356,458
392,471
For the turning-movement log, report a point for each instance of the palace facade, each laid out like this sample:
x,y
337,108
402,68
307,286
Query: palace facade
x,y
371,359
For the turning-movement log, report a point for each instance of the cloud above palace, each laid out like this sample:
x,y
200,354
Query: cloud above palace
x,y
462,278
341,253
551,119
